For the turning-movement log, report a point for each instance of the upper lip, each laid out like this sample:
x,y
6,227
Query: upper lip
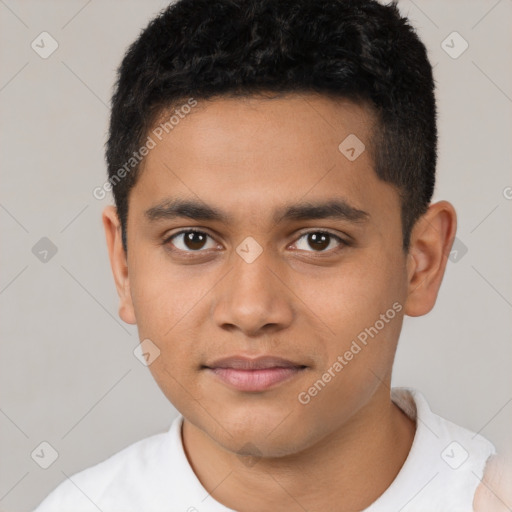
x,y
257,363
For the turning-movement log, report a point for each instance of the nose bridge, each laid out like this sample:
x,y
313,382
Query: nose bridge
x,y
251,296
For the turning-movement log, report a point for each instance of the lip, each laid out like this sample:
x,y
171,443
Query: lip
x,y
254,363
254,374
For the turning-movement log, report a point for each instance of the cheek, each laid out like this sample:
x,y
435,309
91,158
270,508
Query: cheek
x,y
164,306
176,368
352,297
163,294
362,307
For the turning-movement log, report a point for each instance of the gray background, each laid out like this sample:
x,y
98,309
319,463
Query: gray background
x,y
68,373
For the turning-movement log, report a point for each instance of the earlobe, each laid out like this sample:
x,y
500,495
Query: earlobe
x,y
431,240
118,263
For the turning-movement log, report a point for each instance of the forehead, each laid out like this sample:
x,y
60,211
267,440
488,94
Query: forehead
x,y
260,123
253,155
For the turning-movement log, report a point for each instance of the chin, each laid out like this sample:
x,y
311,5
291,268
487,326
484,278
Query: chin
x,y
263,435
257,444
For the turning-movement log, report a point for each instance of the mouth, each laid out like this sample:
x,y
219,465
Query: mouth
x,y
254,375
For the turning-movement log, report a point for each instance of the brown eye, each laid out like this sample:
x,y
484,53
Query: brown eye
x,y
319,241
189,240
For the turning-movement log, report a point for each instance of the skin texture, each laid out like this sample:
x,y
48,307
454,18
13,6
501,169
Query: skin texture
x,y
249,157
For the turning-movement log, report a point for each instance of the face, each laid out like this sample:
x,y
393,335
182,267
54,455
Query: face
x,y
251,234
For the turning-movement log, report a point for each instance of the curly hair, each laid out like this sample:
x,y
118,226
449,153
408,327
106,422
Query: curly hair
x,y
359,50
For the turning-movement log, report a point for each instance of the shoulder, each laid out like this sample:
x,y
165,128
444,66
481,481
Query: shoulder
x,y
448,459
130,475
465,447
459,445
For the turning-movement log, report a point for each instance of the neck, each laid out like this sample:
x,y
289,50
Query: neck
x,y
347,470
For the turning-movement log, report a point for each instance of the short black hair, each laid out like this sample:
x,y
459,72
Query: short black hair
x,y
359,50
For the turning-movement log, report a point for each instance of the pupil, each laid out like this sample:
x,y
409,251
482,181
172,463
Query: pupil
x,y
318,240
192,242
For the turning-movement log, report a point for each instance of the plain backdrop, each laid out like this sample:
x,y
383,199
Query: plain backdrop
x,y
68,373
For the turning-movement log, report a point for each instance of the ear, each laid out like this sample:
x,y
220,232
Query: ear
x,y
431,241
119,263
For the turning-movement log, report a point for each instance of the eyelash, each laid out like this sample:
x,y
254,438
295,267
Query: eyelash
x,y
301,235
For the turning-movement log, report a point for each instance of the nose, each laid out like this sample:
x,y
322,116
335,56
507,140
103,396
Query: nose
x,y
254,298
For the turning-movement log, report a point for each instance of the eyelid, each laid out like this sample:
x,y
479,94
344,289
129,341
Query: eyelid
x,y
306,231
298,236
338,238
203,231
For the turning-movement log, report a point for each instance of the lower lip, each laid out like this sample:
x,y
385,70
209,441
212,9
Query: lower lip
x,y
255,380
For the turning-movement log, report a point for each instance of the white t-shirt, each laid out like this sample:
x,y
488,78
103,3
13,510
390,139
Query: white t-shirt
x,y
441,473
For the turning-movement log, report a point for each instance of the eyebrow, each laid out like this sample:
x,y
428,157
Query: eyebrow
x,y
336,209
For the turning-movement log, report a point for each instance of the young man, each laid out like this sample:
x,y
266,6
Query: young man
x,y
272,164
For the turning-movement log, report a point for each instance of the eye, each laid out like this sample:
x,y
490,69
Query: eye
x,y
319,240
189,240
193,240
